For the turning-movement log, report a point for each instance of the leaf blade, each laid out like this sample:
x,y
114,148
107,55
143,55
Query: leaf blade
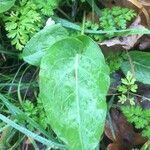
x,y
37,47
70,92
6,5
141,63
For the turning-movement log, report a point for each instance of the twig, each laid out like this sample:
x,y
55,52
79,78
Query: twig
x,y
111,126
131,63
83,24
61,11
140,96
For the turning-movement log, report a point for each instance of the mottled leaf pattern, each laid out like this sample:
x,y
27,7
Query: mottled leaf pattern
x,y
141,65
38,46
74,80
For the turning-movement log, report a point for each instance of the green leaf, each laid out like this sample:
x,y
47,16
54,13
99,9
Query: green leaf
x,y
6,5
37,47
74,80
141,63
126,32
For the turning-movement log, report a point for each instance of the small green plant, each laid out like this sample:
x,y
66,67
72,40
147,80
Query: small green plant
x,y
37,112
22,22
29,108
114,61
127,87
116,18
26,18
139,117
111,19
47,6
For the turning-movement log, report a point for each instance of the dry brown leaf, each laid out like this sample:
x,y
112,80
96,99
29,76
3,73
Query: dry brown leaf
x,y
145,2
140,6
92,17
122,3
137,5
113,147
145,44
126,42
126,137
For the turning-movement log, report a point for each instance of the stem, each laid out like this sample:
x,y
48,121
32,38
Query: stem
x,y
92,4
93,11
61,11
111,126
74,9
83,24
19,85
131,63
140,96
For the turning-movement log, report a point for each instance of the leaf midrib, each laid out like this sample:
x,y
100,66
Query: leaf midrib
x,y
77,97
137,63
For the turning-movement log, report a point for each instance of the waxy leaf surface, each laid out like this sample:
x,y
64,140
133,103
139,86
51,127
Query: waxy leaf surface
x,y
39,44
6,5
140,63
74,80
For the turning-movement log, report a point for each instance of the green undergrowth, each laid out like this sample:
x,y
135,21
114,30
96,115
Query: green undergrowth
x,y
116,18
139,117
55,79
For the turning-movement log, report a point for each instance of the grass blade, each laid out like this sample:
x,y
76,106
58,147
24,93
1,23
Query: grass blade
x,y
16,111
28,133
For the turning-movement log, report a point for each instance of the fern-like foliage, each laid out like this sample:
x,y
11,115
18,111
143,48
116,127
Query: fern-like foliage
x,y
111,19
116,18
94,26
26,18
139,117
47,6
22,22
127,87
36,112
114,61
